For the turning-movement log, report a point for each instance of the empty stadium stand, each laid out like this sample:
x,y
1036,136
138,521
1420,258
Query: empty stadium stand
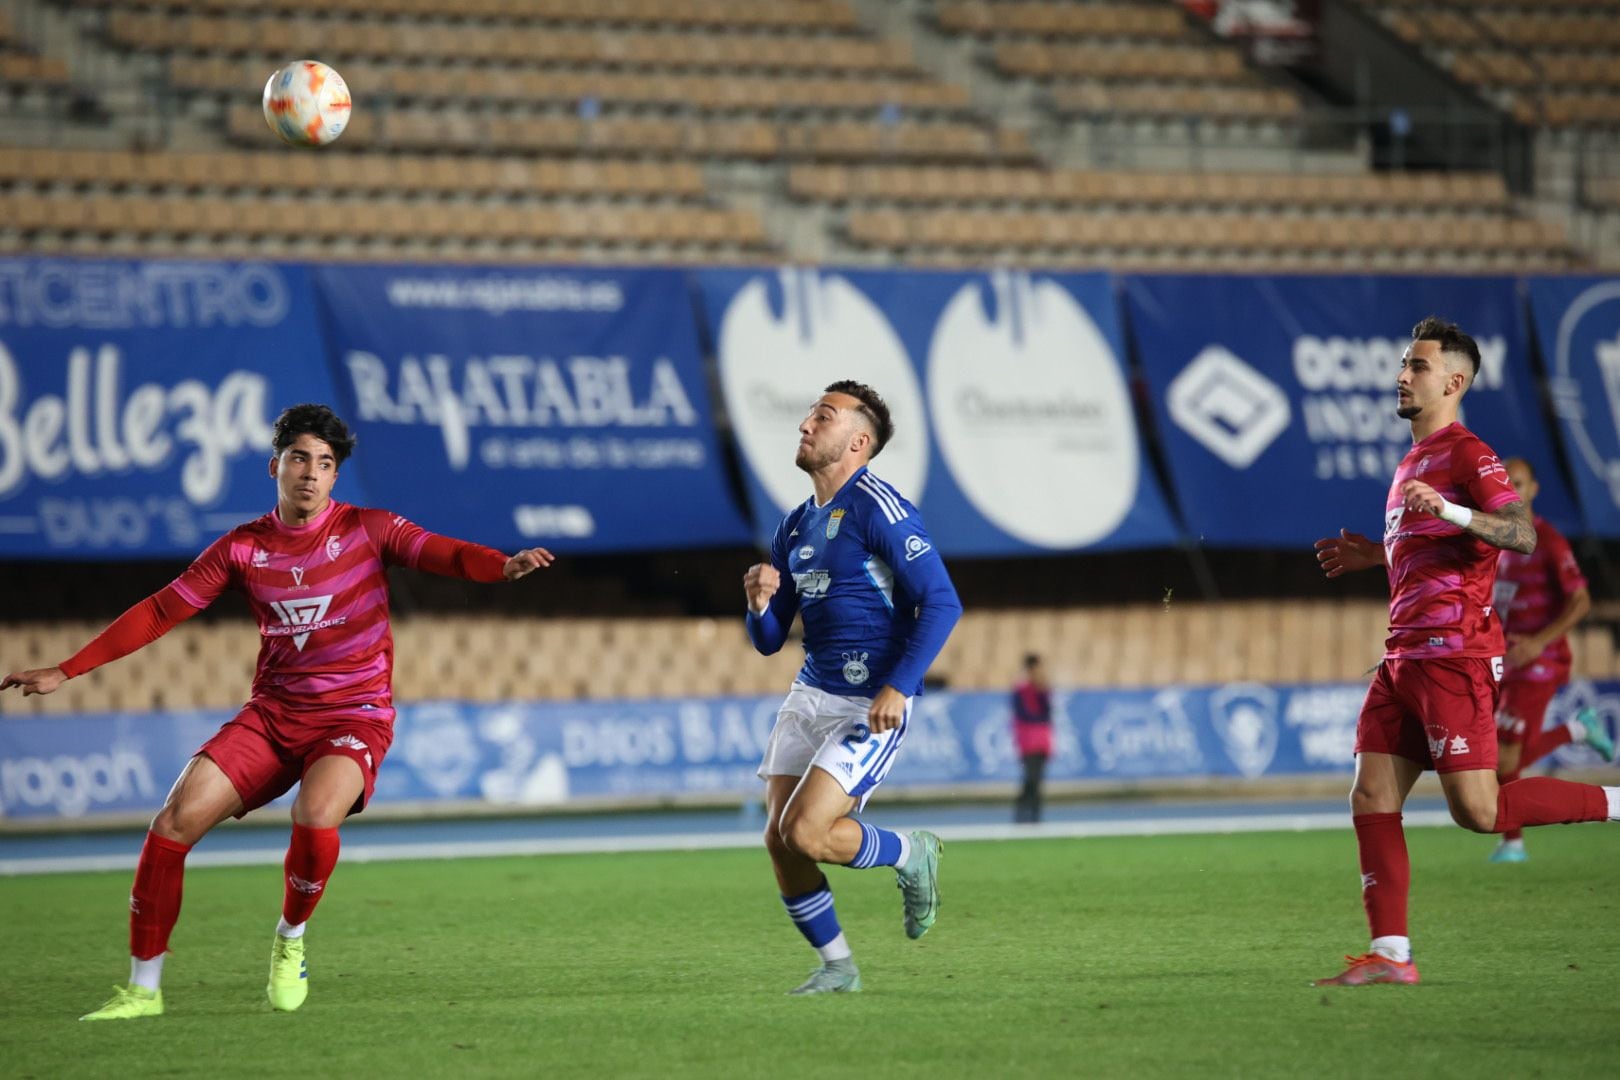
x,y
940,132
210,664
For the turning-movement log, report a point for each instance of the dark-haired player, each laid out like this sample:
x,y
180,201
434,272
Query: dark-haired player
x,y
320,714
1539,597
1432,704
877,607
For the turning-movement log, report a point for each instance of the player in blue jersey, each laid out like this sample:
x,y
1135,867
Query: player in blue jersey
x,y
877,607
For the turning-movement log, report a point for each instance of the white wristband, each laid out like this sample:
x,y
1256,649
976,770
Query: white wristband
x,y
1459,516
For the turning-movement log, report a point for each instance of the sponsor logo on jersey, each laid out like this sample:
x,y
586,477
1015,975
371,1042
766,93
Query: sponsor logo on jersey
x,y
298,577
812,584
855,670
834,519
349,741
301,618
334,548
261,558
916,547
806,552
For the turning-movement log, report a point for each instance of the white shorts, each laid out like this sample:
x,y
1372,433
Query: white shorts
x,y
814,727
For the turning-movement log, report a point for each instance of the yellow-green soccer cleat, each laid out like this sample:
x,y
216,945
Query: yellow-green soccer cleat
x,y
919,883
129,1003
289,978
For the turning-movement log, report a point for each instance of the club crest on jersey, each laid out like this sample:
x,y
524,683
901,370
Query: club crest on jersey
x,y
298,577
261,558
334,548
855,670
834,519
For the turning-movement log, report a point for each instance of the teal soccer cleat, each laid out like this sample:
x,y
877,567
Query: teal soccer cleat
x,y
918,881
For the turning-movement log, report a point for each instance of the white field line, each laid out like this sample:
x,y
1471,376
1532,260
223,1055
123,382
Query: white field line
x,y
468,849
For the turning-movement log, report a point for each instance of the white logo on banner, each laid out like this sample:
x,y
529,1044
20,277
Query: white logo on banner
x,y
1144,738
772,368
1572,406
1032,412
1244,715
524,775
1228,406
439,747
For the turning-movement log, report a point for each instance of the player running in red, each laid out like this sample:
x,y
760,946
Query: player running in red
x,y
320,713
1539,597
1432,704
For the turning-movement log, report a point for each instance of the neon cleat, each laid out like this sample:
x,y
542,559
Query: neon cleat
x,y
832,977
1372,968
1597,737
919,883
1510,851
289,978
129,1003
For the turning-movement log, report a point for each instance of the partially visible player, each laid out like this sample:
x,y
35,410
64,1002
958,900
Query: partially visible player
x,y
1432,704
320,714
877,606
1539,598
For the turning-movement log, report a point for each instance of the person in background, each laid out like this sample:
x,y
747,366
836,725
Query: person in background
x,y
1539,598
1032,734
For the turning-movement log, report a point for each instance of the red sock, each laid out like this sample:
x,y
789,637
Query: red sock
x,y
1514,833
311,857
1386,873
1541,800
1545,743
154,901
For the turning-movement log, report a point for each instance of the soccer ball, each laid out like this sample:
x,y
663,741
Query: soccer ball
x,y
306,103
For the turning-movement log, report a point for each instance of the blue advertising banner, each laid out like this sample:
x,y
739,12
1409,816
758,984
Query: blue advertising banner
x,y
1577,323
566,407
136,401
535,754
1015,430
1275,403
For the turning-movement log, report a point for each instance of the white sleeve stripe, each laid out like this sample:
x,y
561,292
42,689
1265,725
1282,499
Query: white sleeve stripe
x,y
891,506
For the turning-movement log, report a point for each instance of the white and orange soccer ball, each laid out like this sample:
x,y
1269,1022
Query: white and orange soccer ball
x,y
306,103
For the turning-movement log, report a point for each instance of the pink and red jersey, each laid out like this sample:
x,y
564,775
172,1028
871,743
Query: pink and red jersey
x,y
1532,591
1440,578
319,592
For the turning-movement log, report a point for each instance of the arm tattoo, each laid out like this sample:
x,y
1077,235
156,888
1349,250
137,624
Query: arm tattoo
x,y
1510,528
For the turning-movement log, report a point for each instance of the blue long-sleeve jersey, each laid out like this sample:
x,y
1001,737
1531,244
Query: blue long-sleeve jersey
x,y
876,600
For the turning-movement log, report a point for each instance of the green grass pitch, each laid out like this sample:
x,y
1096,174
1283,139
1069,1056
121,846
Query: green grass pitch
x,y
1167,956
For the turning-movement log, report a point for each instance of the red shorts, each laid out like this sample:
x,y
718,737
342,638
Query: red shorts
x,y
1524,709
266,748
1440,713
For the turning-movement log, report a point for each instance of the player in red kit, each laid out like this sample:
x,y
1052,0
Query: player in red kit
x,y
1539,597
320,714
1432,703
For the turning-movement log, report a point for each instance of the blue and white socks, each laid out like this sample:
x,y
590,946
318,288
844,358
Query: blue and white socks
x,y
880,847
813,914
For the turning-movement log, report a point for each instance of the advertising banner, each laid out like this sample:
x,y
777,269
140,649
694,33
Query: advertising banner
x,y
561,407
136,401
1015,428
1578,328
1274,398
537,754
